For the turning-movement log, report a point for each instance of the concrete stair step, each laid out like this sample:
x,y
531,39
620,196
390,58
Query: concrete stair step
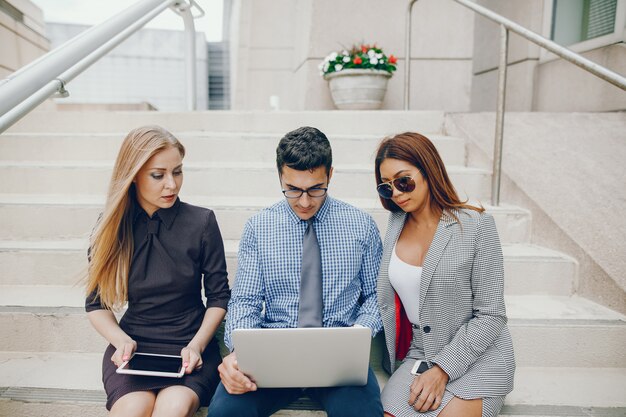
x,y
27,217
203,146
569,388
536,270
235,179
552,331
34,402
560,331
378,122
529,269
30,379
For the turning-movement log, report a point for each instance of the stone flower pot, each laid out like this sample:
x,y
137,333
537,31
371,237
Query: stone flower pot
x,y
358,89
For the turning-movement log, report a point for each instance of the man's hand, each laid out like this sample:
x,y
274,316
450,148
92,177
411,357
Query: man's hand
x,y
233,379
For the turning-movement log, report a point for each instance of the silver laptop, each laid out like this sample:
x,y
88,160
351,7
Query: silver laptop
x,y
304,357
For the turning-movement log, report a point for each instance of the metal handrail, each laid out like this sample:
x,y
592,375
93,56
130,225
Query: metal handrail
x,y
30,86
506,25
407,54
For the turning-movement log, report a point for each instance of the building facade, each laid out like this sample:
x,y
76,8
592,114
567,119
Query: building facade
x,y
22,35
148,68
277,45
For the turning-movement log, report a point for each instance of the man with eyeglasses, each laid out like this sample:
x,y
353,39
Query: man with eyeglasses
x,y
307,233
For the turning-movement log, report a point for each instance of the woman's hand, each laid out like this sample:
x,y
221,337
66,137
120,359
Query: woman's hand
x,y
192,358
427,389
123,350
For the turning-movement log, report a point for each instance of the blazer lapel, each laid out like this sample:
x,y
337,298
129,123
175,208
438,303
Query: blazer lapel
x,y
386,294
434,254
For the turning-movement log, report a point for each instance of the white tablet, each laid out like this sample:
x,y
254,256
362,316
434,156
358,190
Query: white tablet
x,y
153,364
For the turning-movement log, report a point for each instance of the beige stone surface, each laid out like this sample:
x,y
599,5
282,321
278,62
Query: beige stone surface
x,y
571,168
21,43
519,88
528,13
562,86
280,44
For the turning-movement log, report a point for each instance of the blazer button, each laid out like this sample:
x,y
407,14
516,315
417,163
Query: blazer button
x,y
426,329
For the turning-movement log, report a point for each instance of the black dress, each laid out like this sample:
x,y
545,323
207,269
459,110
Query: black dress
x,y
175,252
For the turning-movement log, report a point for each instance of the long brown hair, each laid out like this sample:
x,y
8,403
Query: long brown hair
x,y
420,152
111,244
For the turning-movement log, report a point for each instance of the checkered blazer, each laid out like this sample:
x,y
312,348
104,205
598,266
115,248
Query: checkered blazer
x,y
462,313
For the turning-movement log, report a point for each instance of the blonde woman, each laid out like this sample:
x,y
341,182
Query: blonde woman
x,y
154,252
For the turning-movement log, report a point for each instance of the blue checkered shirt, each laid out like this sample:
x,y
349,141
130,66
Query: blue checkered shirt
x,y
270,257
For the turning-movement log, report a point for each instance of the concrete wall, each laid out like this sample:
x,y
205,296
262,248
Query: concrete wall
x,y
536,82
281,43
147,67
278,45
568,169
522,58
21,41
564,87
262,48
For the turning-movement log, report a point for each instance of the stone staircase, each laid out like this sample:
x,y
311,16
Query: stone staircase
x,y
55,168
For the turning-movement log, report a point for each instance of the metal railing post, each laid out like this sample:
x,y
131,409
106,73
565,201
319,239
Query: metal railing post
x,y
407,55
190,59
500,108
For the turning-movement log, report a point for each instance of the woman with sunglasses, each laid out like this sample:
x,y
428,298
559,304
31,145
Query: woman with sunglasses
x,y
155,253
440,291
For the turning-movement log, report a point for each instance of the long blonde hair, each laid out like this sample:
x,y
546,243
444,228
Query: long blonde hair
x,y
111,243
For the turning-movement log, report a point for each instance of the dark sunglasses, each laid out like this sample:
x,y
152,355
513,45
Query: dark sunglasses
x,y
403,184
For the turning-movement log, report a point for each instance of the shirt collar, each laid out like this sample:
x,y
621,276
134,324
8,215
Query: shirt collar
x,y
167,215
321,214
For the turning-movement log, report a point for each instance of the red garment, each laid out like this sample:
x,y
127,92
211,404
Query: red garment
x,y
404,332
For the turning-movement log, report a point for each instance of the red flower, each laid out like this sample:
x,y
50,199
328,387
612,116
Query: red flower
x,y
364,48
357,60
392,59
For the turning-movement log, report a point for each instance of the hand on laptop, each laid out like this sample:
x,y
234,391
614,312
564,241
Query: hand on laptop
x,y
235,381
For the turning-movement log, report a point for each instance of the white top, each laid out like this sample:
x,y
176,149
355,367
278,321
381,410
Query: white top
x,y
405,280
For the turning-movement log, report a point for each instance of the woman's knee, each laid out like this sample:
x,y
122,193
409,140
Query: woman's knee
x,y
176,401
134,404
460,407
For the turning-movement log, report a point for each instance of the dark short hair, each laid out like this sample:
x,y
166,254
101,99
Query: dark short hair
x,y
304,149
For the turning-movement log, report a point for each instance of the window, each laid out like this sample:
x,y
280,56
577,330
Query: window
x,y
583,25
574,21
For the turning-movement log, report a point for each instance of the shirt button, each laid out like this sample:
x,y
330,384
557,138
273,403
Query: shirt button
x,y
426,329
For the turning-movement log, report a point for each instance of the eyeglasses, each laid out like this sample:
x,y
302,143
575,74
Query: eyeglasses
x,y
404,184
311,192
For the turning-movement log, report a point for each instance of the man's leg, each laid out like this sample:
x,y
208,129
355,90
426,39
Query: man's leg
x,y
260,403
351,400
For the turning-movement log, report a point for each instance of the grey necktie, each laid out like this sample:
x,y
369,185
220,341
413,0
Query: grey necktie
x,y
310,311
